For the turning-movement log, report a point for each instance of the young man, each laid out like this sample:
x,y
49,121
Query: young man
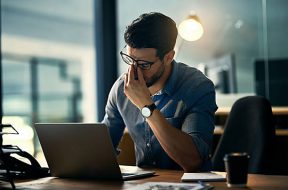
x,y
168,107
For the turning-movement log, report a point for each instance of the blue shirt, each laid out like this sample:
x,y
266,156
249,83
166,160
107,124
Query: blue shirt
x,y
187,101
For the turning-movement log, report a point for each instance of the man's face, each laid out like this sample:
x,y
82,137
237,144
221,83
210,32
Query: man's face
x,y
152,75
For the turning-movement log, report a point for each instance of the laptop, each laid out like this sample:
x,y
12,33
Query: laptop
x,y
83,151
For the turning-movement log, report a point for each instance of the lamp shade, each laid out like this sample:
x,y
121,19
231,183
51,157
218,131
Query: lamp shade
x,y
191,29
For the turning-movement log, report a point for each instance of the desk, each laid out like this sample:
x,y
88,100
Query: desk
x,y
279,132
276,111
280,115
255,182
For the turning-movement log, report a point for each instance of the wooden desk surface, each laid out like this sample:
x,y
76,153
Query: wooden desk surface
x,y
279,132
255,182
276,110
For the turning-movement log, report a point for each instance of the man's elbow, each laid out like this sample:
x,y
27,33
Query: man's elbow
x,y
193,165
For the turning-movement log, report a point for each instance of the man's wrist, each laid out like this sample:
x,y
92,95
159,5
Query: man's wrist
x,y
145,102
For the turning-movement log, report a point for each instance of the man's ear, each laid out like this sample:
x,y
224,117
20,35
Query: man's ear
x,y
168,58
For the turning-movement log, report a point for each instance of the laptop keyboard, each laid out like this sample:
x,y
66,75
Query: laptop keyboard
x,y
127,174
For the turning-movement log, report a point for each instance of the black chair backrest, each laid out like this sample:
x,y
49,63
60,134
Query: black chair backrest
x,y
249,128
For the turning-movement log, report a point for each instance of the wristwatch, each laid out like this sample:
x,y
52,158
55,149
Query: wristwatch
x,y
147,110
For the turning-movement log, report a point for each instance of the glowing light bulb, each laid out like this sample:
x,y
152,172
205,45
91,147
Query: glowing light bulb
x,y
190,29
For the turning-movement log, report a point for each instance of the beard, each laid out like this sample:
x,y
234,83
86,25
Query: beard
x,y
156,76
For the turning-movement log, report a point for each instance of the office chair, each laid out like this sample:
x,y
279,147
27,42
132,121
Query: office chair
x,y
248,128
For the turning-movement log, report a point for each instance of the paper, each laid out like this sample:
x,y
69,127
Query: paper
x,y
207,176
167,186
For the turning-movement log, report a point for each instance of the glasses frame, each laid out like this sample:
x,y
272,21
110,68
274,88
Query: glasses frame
x,y
141,65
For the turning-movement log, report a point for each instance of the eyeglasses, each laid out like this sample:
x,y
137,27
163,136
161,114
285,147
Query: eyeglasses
x,y
145,65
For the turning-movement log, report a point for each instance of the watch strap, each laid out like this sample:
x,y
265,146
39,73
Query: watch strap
x,y
151,107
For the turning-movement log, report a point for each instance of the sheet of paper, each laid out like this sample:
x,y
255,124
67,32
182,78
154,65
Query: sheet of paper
x,y
167,186
207,176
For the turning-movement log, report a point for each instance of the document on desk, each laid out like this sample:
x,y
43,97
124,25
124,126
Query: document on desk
x,y
170,186
203,176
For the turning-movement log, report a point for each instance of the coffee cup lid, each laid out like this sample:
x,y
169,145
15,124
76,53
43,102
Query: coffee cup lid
x,y
236,154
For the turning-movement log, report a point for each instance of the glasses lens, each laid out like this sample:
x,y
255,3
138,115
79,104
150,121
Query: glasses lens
x,y
127,59
144,66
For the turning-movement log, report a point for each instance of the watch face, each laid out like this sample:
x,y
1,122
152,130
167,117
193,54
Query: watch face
x,y
146,112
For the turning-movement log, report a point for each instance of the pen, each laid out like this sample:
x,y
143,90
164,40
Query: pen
x,y
135,72
205,186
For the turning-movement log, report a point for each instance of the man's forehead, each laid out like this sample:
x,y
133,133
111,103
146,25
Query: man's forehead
x,y
141,52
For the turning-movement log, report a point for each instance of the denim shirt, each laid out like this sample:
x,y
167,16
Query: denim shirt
x,y
187,101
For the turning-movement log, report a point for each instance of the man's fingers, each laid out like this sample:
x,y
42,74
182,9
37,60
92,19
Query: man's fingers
x,y
125,78
131,73
135,72
140,75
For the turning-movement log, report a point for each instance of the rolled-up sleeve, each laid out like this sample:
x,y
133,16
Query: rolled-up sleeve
x,y
199,123
112,117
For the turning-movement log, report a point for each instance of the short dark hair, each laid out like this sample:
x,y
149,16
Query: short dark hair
x,y
152,30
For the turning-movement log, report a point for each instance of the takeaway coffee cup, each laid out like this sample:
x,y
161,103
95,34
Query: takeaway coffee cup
x,y
236,165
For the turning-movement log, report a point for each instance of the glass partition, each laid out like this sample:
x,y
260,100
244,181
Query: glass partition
x,y
239,32
48,66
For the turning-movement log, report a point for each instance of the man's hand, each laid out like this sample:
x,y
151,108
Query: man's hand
x,y
136,90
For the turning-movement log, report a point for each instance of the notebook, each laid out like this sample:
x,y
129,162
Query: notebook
x,y
203,176
83,151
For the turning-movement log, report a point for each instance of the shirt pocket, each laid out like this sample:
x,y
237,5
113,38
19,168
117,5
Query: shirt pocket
x,y
176,122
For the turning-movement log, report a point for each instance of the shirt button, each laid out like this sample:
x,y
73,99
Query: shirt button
x,y
148,144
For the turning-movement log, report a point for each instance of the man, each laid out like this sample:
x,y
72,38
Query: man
x,y
168,107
